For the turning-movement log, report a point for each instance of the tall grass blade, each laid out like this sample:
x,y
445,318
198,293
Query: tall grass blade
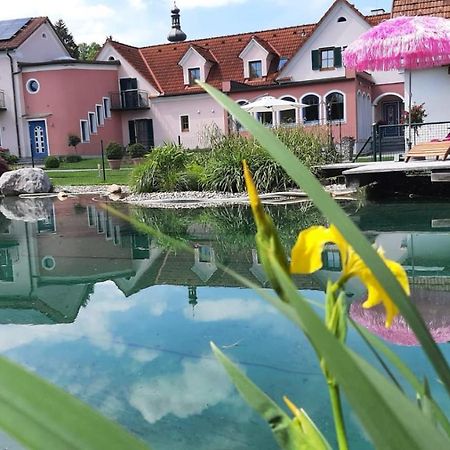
x,y
42,416
333,212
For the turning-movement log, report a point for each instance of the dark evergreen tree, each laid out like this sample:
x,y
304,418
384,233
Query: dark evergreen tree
x,y
67,38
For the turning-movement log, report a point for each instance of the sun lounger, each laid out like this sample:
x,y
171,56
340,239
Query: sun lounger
x,y
429,149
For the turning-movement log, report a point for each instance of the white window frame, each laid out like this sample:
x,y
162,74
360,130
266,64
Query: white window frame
x,y
28,86
250,70
85,135
191,81
288,98
320,119
92,121
106,101
344,97
189,123
100,115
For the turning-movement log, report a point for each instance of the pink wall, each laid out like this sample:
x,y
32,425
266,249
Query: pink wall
x,y
347,87
66,95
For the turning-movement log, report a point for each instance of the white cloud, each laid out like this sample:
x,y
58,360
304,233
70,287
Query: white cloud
x,y
201,384
144,355
191,4
137,4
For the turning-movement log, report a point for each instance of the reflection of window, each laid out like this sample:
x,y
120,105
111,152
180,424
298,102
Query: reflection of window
x,y
109,229
194,74
335,106
311,111
6,266
140,246
47,225
288,116
184,122
205,254
100,222
117,240
255,69
48,262
331,259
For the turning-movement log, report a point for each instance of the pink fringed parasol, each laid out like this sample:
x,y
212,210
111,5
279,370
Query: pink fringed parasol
x,y
401,43
434,307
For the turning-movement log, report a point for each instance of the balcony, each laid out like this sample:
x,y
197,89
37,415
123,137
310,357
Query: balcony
x,y
2,101
129,100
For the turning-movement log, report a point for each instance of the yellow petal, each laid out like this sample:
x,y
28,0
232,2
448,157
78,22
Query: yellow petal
x,y
306,256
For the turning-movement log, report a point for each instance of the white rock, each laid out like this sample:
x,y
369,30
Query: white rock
x,y
25,181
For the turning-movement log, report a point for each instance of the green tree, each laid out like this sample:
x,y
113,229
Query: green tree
x,y
88,52
66,37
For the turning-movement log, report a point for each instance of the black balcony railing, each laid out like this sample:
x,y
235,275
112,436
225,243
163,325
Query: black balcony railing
x,y
131,99
2,101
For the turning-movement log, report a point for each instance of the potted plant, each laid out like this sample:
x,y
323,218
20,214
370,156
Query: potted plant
x,y
114,155
137,152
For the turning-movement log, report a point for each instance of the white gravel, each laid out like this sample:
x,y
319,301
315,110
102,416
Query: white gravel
x,y
195,199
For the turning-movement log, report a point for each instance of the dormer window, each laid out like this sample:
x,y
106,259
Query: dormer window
x,y
255,69
194,74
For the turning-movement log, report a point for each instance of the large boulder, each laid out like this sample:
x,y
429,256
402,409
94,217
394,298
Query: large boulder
x,y
26,209
25,181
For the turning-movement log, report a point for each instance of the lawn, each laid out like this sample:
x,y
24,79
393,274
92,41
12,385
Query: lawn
x,y
88,177
88,163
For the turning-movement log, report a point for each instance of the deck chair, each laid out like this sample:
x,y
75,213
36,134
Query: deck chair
x,y
439,149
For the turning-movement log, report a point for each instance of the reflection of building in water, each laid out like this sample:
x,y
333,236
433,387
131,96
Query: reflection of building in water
x,y
49,267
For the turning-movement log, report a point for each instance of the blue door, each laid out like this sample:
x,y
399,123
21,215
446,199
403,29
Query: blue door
x,y
38,138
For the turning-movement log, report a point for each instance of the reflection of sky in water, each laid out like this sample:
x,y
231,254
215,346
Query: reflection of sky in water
x,y
144,359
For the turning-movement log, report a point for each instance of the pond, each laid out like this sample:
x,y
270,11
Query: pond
x,y
124,322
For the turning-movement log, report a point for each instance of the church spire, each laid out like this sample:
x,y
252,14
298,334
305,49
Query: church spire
x,y
176,34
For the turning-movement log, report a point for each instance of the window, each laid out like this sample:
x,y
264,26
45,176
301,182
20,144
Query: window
x,y
255,69
290,115
342,19
237,125
92,122
194,74
141,131
84,128
107,107
335,106
266,118
129,94
33,86
184,121
326,58
310,113
100,115
282,62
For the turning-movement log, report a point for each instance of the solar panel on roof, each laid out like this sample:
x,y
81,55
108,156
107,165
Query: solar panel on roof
x,y
8,28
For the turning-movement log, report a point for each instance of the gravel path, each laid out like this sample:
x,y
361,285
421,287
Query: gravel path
x,y
195,199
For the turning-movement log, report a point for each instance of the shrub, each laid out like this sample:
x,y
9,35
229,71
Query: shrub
x,y
163,170
10,159
51,162
136,150
73,140
73,158
114,151
3,166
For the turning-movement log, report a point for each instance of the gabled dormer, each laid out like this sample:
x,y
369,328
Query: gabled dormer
x,y
256,57
196,64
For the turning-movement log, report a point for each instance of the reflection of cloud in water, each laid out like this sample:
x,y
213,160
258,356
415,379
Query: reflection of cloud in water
x,y
93,323
228,309
200,385
144,355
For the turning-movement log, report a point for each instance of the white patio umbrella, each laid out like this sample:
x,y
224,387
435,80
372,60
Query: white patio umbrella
x,y
268,103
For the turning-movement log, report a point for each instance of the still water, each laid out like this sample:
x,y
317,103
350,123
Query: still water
x,y
124,322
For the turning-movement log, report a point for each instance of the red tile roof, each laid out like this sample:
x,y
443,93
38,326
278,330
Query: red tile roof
x,y
224,52
23,34
440,8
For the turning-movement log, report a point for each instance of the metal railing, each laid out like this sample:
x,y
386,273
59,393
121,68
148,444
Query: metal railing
x,y
393,141
130,99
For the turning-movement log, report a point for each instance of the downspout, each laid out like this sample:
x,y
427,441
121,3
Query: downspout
x,y
19,149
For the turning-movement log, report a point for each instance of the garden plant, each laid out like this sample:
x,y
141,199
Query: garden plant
x,y
42,416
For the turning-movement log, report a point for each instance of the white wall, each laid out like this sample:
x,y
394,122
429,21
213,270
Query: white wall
x,y
202,111
432,87
329,34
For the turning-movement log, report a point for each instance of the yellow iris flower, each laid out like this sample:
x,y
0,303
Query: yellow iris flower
x,y
307,258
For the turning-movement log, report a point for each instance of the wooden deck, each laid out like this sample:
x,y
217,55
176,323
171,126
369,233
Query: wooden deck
x,y
383,171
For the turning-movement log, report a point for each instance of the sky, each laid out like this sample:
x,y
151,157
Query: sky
x,y
147,22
